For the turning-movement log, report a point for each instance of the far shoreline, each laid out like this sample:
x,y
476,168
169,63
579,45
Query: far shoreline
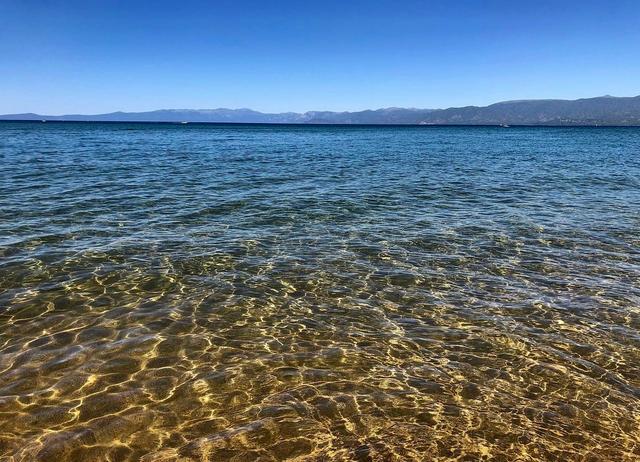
x,y
305,124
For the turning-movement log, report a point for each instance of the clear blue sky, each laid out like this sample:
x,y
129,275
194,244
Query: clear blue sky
x,y
93,56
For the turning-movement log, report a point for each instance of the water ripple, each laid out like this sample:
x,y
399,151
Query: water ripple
x,y
202,292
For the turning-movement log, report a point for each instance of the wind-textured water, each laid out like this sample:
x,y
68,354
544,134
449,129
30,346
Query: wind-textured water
x,y
211,292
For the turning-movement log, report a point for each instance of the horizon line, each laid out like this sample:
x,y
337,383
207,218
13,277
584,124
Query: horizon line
x,y
312,110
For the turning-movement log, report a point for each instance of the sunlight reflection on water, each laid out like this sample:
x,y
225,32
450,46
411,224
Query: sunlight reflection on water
x,y
261,293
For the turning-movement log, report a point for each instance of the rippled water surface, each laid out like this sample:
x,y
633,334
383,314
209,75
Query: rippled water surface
x,y
199,292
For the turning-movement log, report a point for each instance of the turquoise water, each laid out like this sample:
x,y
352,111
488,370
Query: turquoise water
x,y
222,292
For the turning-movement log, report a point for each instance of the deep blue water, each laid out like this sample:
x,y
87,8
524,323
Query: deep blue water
x,y
335,293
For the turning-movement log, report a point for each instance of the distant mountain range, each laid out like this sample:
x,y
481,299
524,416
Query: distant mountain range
x,y
603,110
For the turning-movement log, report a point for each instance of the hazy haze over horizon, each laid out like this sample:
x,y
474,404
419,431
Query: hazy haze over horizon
x,y
99,57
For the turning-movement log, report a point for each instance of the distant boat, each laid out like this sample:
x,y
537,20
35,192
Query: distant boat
x,y
43,120
504,125
184,122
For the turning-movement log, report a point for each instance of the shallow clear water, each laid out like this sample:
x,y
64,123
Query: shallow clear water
x,y
198,292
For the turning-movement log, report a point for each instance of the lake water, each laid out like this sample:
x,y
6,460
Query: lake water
x,y
211,292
